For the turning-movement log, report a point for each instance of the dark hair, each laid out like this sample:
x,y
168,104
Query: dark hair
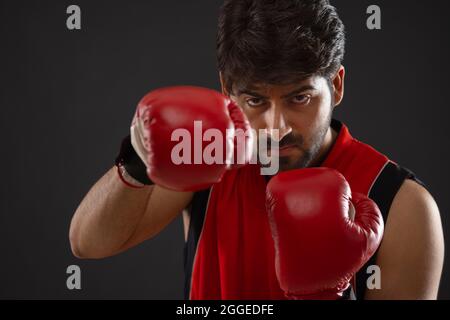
x,y
278,41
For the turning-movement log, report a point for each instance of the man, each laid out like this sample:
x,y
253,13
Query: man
x,y
280,61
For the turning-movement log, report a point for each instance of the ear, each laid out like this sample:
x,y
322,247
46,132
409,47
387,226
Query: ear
x,y
338,85
222,84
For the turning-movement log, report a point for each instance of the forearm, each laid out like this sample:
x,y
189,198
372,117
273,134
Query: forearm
x,y
107,217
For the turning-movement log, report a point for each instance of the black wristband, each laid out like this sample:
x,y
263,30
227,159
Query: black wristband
x,y
130,160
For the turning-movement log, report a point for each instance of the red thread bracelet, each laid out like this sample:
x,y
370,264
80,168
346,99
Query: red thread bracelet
x,y
119,172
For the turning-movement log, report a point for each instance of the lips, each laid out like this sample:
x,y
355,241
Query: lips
x,y
283,151
286,150
291,146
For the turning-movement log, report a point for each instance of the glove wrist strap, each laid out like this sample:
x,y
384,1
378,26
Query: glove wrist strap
x,y
132,165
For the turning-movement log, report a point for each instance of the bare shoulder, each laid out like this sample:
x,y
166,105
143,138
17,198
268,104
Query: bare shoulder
x,y
412,251
414,207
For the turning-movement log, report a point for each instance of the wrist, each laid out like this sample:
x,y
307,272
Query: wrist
x,y
127,179
130,166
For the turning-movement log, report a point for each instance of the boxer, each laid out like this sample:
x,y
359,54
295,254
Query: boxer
x,y
336,207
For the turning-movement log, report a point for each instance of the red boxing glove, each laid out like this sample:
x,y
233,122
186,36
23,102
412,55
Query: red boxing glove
x,y
318,246
186,136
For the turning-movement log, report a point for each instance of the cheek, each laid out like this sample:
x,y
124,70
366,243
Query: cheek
x,y
320,112
309,124
256,119
324,110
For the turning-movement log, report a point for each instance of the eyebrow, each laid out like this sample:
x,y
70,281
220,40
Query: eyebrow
x,y
290,94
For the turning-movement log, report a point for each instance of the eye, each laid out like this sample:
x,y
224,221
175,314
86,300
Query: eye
x,y
254,102
301,99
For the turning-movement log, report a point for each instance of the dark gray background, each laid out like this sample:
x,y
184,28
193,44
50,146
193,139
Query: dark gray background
x,y
67,99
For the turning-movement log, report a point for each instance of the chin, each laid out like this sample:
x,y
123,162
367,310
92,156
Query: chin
x,y
289,163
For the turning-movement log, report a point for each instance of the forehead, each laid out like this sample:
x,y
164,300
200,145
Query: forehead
x,y
270,89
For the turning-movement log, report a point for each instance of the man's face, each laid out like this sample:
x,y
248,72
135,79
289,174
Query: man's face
x,y
301,112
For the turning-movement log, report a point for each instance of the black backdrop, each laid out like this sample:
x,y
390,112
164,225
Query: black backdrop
x,y
67,98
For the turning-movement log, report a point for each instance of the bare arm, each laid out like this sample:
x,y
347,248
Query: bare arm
x,y
412,252
113,217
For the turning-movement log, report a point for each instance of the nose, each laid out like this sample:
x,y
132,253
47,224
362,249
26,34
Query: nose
x,y
276,120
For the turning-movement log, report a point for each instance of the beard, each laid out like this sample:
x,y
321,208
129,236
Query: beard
x,y
309,150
